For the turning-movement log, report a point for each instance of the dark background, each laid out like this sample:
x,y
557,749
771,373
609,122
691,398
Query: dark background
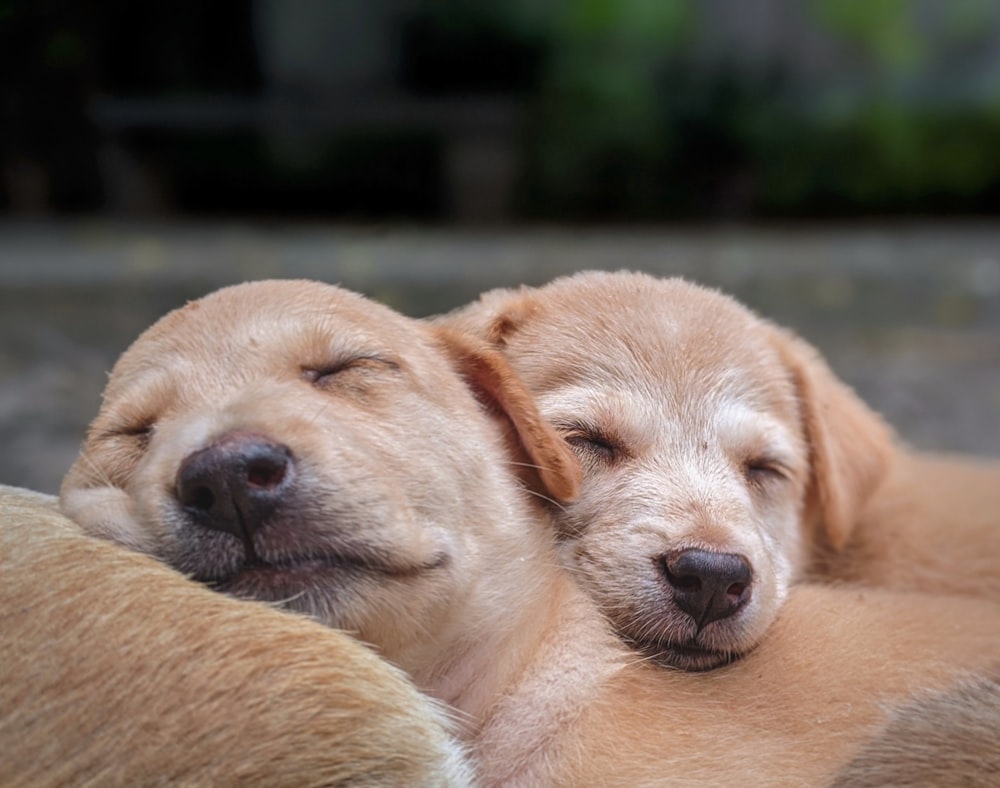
x,y
502,110
833,163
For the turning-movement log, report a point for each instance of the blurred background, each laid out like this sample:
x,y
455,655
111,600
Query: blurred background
x,y
833,163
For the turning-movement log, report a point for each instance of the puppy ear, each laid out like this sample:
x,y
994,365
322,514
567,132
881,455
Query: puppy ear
x,y
490,376
494,316
850,446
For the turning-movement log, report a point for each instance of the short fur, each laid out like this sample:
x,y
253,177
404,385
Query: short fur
x,y
119,671
699,425
399,442
932,525
946,740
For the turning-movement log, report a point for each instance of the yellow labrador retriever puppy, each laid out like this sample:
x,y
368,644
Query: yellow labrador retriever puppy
x,y
718,450
296,443
119,671
723,460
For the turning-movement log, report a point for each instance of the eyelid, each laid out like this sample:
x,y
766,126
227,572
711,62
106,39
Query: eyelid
x,y
141,430
768,465
314,373
597,440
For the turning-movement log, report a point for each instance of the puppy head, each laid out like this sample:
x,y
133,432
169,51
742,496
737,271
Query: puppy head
x,y
296,443
709,441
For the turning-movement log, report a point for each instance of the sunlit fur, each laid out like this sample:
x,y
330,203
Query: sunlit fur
x,y
417,460
119,671
715,430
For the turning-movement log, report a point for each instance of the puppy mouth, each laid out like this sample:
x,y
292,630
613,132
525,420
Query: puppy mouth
x,y
309,569
289,575
689,657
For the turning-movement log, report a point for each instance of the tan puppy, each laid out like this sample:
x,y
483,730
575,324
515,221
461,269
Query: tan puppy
x,y
118,671
292,441
645,375
296,443
718,450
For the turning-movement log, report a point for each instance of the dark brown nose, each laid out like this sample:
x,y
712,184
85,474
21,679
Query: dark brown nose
x,y
235,483
707,586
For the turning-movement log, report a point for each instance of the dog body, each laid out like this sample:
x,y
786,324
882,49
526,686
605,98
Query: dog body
x,y
119,671
717,451
941,739
296,443
293,442
932,525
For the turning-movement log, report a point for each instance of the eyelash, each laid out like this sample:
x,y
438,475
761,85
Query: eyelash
x,y
141,432
318,376
593,443
762,470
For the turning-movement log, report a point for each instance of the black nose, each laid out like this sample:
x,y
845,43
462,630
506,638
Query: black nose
x,y
707,586
235,483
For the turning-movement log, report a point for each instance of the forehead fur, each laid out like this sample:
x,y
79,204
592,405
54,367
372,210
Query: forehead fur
x,y
252,325
671,334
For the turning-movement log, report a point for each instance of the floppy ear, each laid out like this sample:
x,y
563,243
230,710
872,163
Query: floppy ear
x,y
490,376
850,446
493,316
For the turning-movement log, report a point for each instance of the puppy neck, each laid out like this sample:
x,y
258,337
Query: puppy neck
x,y
536,654
560,671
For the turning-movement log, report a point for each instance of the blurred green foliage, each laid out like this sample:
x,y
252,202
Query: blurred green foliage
x,y
622,122
637,109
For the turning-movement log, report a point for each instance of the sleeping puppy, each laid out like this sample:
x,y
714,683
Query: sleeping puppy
x,y
119,671
717,450
296,443
638,371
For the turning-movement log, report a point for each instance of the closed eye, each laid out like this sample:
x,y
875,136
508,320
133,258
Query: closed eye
x,y
141,432
325,374
592,443
762,470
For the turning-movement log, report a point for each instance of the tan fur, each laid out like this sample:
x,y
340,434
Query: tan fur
x,y
945,740
850,448
933,525
692,392
118,671
401,461
881,514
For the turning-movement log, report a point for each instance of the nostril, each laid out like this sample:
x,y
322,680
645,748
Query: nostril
x,y
198,498
682,582
266,472
735,592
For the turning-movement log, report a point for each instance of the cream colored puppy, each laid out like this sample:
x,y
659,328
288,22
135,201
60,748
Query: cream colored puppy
x,y
296,443
717,450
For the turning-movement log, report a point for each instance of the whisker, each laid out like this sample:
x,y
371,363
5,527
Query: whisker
x,y
323,407
528,465
99,471
546,498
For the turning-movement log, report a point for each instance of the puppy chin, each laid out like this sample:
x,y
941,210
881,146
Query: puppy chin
x,y
693,659
671,638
